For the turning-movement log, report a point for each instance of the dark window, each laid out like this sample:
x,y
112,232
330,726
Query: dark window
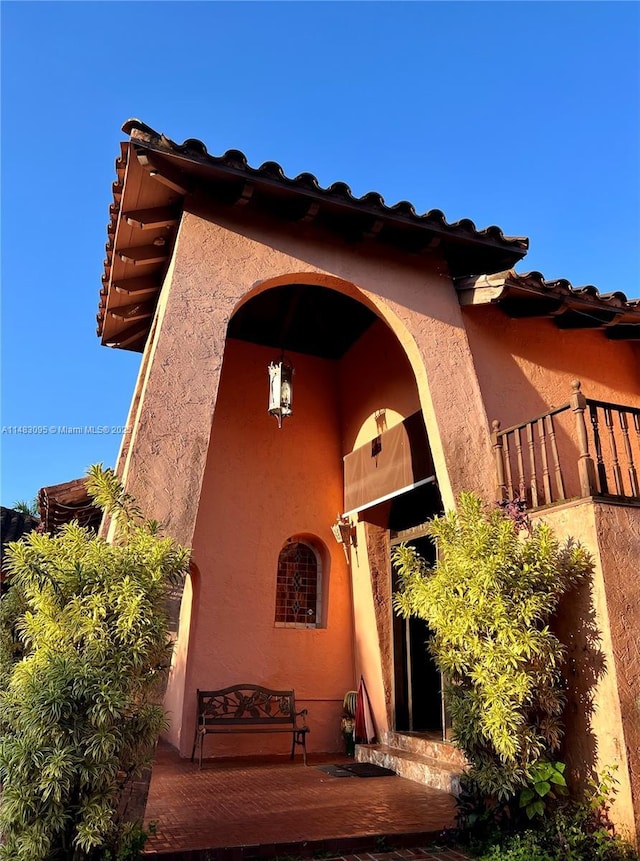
x,y
298,585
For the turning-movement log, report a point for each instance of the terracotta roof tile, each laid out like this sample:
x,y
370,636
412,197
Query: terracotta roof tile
x,y
530,294
467,249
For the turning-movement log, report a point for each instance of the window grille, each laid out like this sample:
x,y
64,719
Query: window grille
x,y
298,586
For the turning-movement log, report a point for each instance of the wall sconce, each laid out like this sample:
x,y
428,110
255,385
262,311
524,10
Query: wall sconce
x,y
345,533
280,389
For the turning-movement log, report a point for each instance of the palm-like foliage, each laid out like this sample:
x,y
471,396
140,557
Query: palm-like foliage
x,y
488,601
84,647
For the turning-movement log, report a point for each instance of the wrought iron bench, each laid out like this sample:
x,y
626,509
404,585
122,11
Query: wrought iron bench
x,y
249,709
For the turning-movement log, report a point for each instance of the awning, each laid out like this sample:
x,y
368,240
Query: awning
x,y
394,462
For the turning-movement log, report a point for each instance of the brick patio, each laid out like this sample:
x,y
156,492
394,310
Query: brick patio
x,y
267,807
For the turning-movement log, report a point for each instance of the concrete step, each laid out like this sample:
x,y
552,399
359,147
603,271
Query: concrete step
x,y
425,745
414,766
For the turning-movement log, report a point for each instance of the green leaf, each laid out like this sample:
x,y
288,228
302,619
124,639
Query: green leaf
x,y
543,787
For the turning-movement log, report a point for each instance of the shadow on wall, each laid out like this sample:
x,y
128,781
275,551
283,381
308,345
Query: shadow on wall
x,y
585,665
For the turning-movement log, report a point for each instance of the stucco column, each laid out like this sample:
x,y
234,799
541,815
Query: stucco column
x,y
176,395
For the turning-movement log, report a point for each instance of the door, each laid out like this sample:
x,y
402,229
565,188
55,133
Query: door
x,y
418,705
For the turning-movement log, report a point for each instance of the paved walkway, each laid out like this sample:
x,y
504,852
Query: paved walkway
x,y
271,807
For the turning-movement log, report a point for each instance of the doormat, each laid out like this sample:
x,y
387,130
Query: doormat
x,y
335,770
368,769
357,769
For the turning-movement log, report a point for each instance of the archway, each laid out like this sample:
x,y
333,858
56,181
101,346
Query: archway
x,y
353,383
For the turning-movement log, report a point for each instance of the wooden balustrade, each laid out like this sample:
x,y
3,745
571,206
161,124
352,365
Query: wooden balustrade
x,y
529,463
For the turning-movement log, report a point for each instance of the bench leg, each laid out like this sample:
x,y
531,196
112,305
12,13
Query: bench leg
x,y
299,738
193,749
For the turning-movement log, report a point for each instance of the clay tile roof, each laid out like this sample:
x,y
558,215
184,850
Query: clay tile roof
x,y
529,294
13,525
62,503
306,181
163,173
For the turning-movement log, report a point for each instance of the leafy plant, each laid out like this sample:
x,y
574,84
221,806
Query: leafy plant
x,y
78,710
547,783
572,831
488,601
31,508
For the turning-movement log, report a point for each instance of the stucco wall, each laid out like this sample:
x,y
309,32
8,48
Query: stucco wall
x,y
601,729
377,391
526,366
261,486
375,376
274,484
619,540
215,267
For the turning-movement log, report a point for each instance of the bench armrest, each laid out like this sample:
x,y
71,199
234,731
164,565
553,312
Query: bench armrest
x,y
303,713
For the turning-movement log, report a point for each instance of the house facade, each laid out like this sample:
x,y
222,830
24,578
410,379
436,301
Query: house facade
x,y
423,365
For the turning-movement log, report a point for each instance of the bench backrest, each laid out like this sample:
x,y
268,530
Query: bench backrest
x,y
246,704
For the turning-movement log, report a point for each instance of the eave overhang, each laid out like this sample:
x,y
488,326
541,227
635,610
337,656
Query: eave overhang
x,y
156,176
528,294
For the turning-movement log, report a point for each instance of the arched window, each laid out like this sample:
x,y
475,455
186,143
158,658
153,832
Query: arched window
x,y
298,585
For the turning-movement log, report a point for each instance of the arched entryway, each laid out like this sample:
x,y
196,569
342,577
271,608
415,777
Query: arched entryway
x,y
354,388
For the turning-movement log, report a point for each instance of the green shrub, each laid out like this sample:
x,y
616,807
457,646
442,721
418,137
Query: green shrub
x,y
488,601
85,647
574,831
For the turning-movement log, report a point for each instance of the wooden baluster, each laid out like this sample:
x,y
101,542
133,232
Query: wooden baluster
x,y
633,476
586,469
600,465
507,466
556,460
636,425
532,466
496,440
522,491
617,472
546,481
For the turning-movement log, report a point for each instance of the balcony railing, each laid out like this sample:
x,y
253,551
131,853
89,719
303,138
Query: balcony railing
x,y
582,448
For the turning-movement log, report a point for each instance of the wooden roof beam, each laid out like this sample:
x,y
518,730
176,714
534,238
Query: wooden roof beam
x,y
136,311
144,255
129,335
166,174
136,286
146,219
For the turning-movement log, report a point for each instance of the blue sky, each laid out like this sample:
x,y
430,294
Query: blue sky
x,y
520,114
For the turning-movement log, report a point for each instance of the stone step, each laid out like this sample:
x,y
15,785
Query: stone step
x,y
443,751
414,766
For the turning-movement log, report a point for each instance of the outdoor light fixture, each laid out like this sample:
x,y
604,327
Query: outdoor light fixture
x,y
345,533
280,389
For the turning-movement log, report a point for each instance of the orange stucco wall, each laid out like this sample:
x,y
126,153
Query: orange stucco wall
x,y
215,268
377,390
618,531
526,366
598,622
375,377
262,486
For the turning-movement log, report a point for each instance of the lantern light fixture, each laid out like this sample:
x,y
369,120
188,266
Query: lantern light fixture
x,y
345,533
280,389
